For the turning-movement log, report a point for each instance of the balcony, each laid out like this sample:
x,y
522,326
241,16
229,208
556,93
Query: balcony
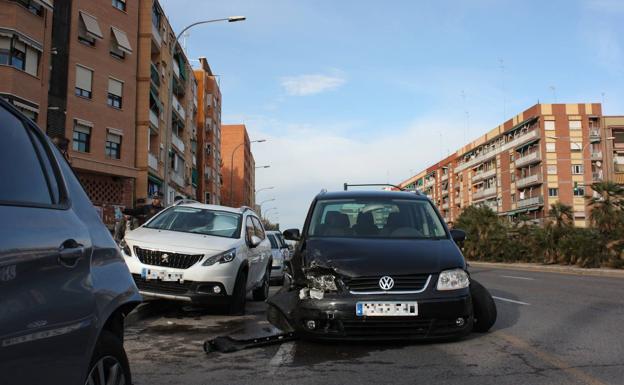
x,y
177,107
445,206
152,161
479,159
597,176
534,157
445,192
520,140
156,38
594,135
484,193
429,182
176,141
492,205
153,118
618,167
529,181
528,202
176,68
596,155
483,175
444,177
178,179
154,76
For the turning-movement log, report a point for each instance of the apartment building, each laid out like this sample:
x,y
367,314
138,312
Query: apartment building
x,y
208,134
163,121
545,154
614,147
92,98
239,167
25,48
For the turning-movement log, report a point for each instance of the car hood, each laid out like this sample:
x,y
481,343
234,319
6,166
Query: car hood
x,y
178,241
373,257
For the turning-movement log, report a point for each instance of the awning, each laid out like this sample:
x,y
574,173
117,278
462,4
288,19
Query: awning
x,y
618,178
182,66
25,106
91,25
122,40
46,4
154,179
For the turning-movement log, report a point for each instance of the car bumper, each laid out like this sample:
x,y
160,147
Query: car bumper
x,y
277,272
188,291
335,318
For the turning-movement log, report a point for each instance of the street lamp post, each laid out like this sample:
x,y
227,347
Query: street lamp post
x,y
172,50
268,210
232,168
267,166
264,188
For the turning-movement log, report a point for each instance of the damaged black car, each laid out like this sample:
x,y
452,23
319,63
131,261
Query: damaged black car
x,y
378,265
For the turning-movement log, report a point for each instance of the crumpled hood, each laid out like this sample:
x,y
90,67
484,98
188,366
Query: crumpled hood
x,y
179,241
354,257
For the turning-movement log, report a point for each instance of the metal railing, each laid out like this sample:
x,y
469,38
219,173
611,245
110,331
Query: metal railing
x,y
484,175
529,180
176,141
153,118
533,157
484,193
152,161
533,201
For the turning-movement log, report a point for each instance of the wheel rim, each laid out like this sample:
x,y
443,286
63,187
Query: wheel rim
x,y
107,371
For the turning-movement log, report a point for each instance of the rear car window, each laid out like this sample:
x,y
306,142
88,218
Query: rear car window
x,y
22,171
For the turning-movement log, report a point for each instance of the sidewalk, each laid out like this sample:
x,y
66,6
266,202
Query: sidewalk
x,y
560,269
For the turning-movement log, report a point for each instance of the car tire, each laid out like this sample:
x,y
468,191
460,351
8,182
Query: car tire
x,y
239,295
483,306
109,359
262,293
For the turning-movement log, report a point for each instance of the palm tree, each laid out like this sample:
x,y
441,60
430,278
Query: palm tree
x,y
607,207
561,214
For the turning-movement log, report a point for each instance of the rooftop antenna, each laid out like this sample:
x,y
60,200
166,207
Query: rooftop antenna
x,y
553,89
501,65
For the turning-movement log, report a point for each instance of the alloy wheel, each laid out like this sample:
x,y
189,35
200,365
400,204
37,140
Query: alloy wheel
x,y
107,371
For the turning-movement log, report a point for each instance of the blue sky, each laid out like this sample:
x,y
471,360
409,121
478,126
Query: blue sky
x,y
365,91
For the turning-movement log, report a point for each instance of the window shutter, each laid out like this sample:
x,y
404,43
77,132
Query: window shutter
x,y
91,25
32,61
549,125
122,40
84,78
5,42
575,125
78,127
113,138
115,87
19,45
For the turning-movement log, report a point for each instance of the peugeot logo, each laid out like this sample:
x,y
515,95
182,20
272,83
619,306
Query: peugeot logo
x,y
164,258
386,283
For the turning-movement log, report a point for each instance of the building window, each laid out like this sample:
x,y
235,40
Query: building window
x,y
120,4
552,169
84,80
575,124
549,125
156,16
575,146
32,6
577,169
16,53
579,191
82,137
113,146
513,198
553,192
551,147
88,29
120,45
115,93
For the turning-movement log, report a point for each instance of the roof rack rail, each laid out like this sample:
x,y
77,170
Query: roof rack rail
x,y
184,201
347,185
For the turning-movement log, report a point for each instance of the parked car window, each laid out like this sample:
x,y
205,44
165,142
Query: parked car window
x,y
22,169
250,230
258,228
282,242
364,218
199,221
274,244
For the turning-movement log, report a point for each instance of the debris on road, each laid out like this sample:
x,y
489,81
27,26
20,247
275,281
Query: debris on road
x,y
227,344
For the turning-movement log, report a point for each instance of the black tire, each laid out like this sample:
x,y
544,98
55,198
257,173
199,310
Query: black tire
x,y
110,358
262,293
483,306
239,296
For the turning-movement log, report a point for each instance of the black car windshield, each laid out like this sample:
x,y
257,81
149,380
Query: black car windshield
x,y
381,218
198,221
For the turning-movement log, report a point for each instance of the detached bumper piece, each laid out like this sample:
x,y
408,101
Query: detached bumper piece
x,y
227,344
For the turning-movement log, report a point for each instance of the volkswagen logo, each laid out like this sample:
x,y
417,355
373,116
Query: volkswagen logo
x,y
164,258
386,283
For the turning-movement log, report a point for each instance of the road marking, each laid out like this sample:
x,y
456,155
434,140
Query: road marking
x,y
550,359
284,355
515,277
510,300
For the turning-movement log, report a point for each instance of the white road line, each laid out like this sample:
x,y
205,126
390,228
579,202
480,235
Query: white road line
x,y
510,300
284,355
516,277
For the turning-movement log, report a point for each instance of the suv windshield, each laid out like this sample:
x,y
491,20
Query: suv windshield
x,y
370,218
198,221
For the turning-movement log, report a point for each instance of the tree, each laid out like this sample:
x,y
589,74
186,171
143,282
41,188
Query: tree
x,y
562,215
607,207
486,235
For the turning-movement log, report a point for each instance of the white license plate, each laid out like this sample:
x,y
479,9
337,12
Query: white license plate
x,y
386,309
163,275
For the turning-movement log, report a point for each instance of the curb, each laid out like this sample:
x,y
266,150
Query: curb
x,y
595,272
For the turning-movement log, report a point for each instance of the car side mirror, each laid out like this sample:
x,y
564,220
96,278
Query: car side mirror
x,y
292,234
459,236
254,241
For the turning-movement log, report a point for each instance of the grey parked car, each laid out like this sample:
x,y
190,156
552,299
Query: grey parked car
x,y
64,287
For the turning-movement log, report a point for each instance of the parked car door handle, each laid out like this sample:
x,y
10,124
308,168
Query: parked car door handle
x,y
70,252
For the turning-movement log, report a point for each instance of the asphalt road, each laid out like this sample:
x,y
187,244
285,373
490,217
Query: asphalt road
x,y
551,329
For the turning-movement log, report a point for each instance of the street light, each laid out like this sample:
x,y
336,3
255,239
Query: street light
x,y
265,201
230,19
232,167
264,188
267,166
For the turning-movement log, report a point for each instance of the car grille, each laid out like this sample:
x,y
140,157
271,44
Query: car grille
x,y
175,260
396,326
415,282
162,287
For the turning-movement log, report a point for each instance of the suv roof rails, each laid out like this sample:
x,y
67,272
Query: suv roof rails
x,y
415,191
184,201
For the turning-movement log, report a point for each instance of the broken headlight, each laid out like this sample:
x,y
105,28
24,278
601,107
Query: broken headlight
x,y
323,283
126,249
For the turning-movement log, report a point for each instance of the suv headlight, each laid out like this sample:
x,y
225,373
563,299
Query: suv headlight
x,y
225,257
125,248
453,280
322,282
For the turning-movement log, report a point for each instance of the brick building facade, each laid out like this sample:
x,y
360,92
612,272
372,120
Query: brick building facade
x,y
239,167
